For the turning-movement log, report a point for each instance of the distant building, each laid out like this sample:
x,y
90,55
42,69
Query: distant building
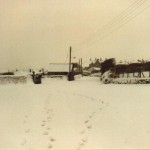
x,y
59,69
94,69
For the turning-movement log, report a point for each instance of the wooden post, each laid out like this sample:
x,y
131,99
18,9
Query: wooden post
x,y
71,74
70,60
81,65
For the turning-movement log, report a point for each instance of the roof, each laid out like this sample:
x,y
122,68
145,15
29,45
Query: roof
x,y
59,67
94,68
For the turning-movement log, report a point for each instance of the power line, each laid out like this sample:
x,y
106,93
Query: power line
x,y
123,18
124,23
126,16
119,19
114,20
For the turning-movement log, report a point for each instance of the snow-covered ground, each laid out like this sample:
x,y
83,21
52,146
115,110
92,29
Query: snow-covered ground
x,y
81,114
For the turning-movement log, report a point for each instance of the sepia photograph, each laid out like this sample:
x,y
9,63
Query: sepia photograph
x,y
74,74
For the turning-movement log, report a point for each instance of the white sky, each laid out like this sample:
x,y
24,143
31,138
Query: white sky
x,y
39,32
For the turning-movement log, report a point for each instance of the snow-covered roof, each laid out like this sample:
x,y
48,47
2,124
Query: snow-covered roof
x,y
94,68
59,67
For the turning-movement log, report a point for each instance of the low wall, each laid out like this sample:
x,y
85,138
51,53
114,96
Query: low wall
x,y
13,79
127,81
131,81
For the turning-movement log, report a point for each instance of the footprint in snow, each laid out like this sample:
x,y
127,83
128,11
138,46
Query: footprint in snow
x,y
50,146
27,130
82,132
100,108
48,128
43,124
45,133
84,140
43,121
26,116
52,139
81,145
49,117
90,116
86,121
50,110
24,142
93,113
47,112
24,122
89,126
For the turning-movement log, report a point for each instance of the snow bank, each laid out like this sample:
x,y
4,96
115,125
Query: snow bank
x,y
13,79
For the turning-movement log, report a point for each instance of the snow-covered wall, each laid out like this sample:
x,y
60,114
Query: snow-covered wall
x,y
131,81
107,79
13,79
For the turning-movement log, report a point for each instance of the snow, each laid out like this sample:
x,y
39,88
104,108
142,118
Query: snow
x,y
80,114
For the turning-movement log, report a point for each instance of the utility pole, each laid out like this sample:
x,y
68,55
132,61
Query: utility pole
x,y
71,74
70,59
81,65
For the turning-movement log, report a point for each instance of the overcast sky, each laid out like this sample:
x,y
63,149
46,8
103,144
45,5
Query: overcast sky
x,y
39,32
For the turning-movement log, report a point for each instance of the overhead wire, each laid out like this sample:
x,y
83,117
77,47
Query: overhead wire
x,y
123,21
119,18
121,25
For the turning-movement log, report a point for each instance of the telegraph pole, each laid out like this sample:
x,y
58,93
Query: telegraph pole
x,y
81,65
70,59
71,74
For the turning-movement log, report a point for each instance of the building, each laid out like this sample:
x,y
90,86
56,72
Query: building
x,y
59,69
